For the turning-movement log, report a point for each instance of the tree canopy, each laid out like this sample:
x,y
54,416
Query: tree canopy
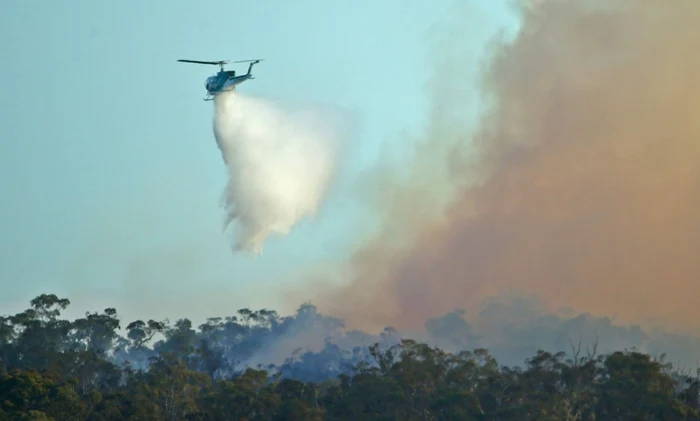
x,y
86,370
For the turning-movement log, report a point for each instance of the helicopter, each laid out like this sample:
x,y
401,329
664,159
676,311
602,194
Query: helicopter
x,y
224,80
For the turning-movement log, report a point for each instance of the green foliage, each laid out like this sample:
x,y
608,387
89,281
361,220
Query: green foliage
x,y
54,369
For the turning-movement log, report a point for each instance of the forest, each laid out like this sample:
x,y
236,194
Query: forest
x,y
52,368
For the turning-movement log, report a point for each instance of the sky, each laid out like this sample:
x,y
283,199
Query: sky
x,y
109,172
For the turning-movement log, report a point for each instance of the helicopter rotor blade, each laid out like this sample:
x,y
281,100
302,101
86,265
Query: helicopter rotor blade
x,y
216,63
247,61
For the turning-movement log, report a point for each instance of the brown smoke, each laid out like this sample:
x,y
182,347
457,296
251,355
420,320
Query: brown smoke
x,y
581,184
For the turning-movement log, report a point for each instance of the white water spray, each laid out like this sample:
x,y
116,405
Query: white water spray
x,y
280,164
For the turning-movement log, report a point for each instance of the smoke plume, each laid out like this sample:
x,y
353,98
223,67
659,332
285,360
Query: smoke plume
x,y
579,185
280,161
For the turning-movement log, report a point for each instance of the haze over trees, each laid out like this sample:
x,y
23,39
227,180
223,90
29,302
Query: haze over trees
x,y
56,369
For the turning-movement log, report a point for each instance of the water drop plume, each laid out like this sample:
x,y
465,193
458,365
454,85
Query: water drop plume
x,y
281,161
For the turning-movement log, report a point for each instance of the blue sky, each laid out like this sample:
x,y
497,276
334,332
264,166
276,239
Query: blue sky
x,y
110,175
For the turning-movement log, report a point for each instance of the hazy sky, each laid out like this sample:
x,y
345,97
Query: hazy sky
x,y
109,173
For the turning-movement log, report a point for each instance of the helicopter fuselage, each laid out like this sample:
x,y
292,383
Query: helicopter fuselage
x,y
224,81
